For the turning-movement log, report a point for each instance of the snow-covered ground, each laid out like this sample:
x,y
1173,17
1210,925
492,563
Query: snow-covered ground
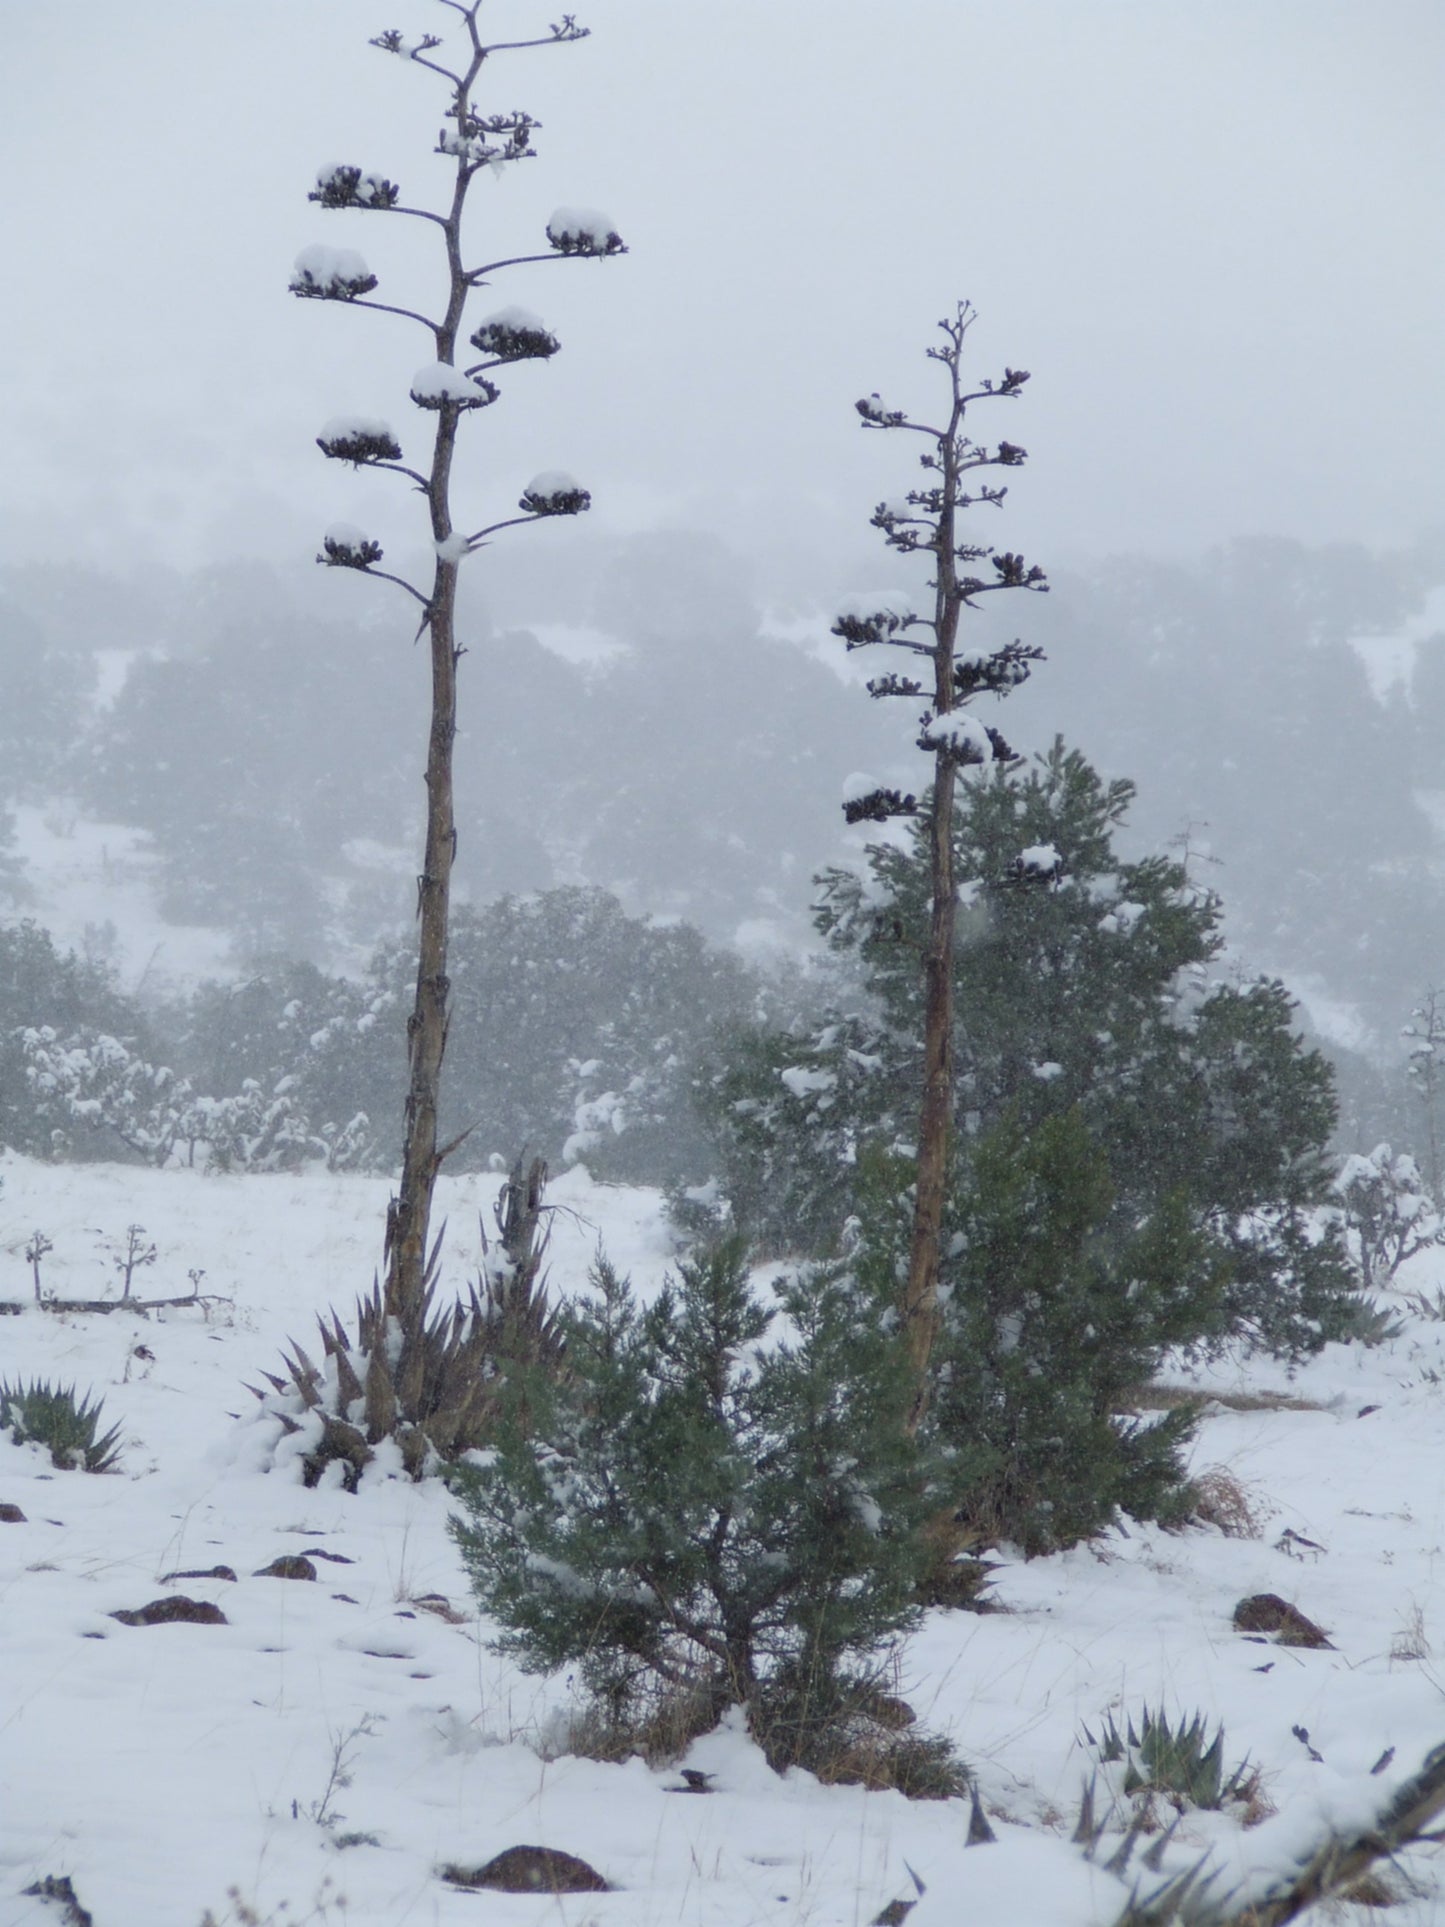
x,y
93,886
161,1767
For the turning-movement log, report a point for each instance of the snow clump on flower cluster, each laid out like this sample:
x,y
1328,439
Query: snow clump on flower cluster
x,y
583,230
331,274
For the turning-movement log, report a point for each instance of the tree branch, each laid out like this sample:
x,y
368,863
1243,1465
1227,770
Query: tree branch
x,y
475,277
435,67
400,468
547,40
384,307
512,522
385,575
918,428
415,213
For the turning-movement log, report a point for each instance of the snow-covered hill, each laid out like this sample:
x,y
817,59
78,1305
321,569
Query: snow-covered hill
x,y
337,1740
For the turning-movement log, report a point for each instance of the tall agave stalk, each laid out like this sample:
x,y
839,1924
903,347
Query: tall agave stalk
x,y
452,387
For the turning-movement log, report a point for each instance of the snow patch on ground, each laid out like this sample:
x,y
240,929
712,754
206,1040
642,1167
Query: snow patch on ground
x,y
158,1767
94,884
579,644
1390,660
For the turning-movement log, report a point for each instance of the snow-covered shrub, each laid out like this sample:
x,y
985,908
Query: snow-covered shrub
x,y
98,1083
254,1130
717,1498
1388,1214
42,987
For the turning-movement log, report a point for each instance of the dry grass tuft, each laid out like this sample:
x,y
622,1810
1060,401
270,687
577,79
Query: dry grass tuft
x,y
1219,1499
1169,1398
1411,1642
1371,1890
659,1732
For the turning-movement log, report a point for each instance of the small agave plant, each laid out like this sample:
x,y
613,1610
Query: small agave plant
x,y
49,1415
1176,1758
436,1391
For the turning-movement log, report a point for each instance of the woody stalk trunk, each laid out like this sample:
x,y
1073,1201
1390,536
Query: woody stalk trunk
x,y
926,521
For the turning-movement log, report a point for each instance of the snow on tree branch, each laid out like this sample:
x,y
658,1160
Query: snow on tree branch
x,y
555,493
393,42
878,805
490,140
963,737
1040,863
514,334
992,671
358,440
343,185
876,413
581,230
875,617
344,546
331,274
441,386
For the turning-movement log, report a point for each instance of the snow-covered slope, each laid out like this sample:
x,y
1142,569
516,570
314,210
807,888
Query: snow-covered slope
x,y
160,1767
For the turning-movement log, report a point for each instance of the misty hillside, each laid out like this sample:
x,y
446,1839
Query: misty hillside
x,y
235,752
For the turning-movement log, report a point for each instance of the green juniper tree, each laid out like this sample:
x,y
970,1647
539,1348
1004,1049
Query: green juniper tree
x,y
1168,1133
717,1499
1059,1306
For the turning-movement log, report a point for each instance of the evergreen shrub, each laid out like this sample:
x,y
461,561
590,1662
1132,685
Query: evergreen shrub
x,y
717,1500
1057,1304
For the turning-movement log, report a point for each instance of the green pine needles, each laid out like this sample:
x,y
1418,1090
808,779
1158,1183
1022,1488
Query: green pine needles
x,y
1062,1304
717,1500
1141,1155
49,1415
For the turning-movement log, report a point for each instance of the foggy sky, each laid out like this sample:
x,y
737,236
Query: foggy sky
x,y
1212,231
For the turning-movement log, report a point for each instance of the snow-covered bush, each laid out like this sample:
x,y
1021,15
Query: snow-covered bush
x,y
717,1499
42,987
99,1086
1388,1214
257,1130
98,1083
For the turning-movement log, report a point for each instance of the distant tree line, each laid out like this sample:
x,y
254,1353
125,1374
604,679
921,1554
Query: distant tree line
x,y
577,1032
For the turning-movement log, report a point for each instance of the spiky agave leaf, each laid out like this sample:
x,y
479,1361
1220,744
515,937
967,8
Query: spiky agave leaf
x,y
50,1415
1184,1900
435,1386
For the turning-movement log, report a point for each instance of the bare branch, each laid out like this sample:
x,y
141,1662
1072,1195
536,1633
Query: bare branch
x,y
476,277
512,522
385,307
417,214
434,67
384,575
400,468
